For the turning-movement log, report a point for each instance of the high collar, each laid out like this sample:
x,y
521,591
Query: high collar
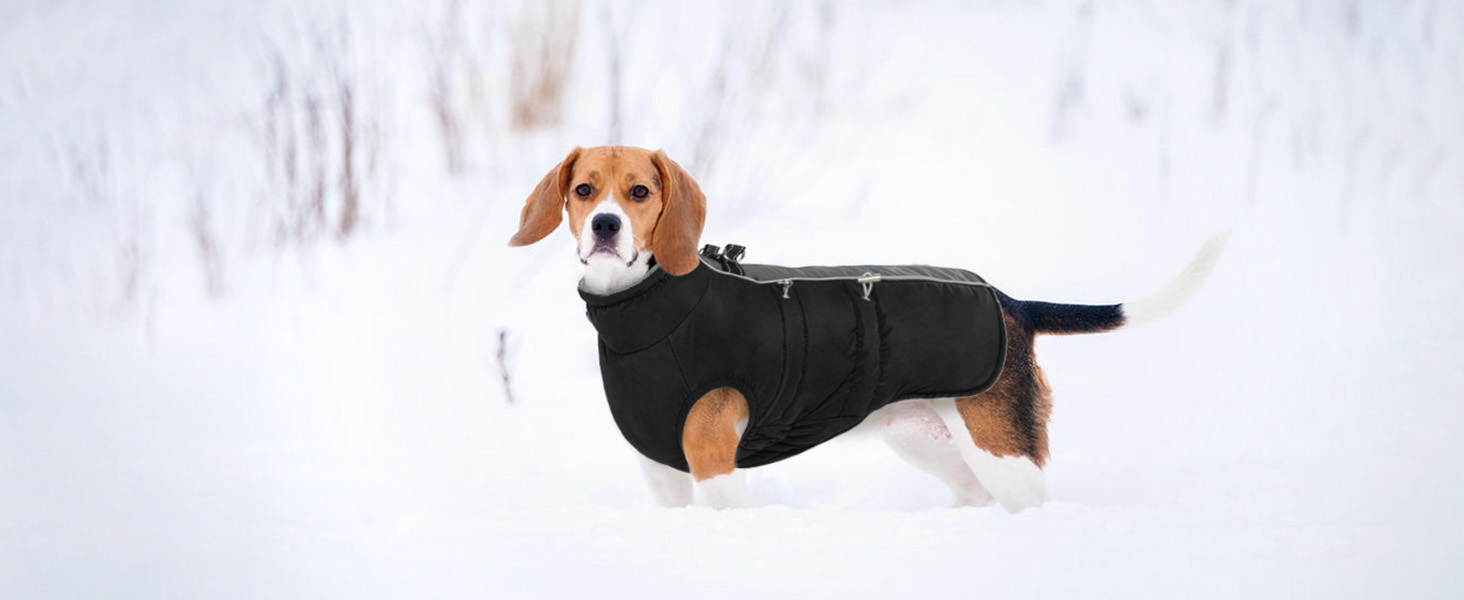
x,y
637,317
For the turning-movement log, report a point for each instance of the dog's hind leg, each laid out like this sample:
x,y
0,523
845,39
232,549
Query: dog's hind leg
x,y
916,433
671,487
1013,478
709,438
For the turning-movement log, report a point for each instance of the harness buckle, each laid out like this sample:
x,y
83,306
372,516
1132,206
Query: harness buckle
x,y
730,257
727,258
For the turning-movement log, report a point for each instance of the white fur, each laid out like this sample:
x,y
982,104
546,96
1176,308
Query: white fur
x,y
606,276
607,273
725,491
1164,301
672,488
1015,481
914,431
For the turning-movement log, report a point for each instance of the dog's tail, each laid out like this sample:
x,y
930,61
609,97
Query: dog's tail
x,y
1050,317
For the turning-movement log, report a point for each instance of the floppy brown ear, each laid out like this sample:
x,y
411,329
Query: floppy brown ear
x,y
683,211
545,207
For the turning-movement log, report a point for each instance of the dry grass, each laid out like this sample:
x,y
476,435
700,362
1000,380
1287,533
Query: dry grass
x,y
319,141
96,180
205,242
455,79
543,48
349,184
449,120
135,242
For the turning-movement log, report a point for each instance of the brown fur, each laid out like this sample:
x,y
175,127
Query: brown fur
x,y
544,208
667,222
1010,419
709,437
680,225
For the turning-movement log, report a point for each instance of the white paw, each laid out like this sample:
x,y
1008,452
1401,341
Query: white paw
x,y
725,491
1015,481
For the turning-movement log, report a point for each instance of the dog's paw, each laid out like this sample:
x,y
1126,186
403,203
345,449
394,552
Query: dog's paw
x,y
1016,482
725,491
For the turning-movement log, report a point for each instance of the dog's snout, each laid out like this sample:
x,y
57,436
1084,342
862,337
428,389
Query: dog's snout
x,y
605,226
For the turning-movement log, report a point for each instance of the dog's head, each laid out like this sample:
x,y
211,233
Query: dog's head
x,y
625,206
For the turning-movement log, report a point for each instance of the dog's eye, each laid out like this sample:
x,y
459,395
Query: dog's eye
x,y
584,190
639,192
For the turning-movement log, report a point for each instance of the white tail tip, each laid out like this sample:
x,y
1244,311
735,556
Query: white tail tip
x,y
1164,301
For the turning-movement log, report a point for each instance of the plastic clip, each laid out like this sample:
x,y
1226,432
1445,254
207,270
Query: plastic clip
x,y
731,256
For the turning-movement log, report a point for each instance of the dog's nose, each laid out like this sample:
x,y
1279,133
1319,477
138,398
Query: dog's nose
x,y
605,226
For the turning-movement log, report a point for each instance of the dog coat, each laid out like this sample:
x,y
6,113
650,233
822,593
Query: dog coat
x,y
814,350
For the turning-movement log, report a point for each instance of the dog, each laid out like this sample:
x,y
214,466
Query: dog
x,y
632,211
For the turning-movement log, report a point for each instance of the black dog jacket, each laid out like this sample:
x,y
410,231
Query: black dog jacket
x,y
814,350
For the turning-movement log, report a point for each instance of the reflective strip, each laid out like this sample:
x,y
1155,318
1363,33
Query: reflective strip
x,y
854,278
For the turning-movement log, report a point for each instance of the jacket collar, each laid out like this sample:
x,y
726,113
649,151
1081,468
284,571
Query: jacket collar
x,y
637,317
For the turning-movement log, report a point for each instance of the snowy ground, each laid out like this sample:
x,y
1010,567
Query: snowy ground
x,y
327,419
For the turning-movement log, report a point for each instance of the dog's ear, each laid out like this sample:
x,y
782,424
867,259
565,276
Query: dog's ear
x,y
683,212
545,207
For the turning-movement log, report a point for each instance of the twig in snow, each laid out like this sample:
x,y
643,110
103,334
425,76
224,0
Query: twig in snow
x,y
503,369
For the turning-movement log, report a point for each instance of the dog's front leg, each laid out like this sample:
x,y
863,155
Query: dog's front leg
x,y
671,487
709,438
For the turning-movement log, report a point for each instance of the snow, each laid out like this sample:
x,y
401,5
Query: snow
x,y
330,421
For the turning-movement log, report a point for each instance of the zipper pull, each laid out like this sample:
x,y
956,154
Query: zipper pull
x,y
787,285
868,281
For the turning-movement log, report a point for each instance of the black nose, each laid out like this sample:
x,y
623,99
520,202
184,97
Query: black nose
x,y
605,226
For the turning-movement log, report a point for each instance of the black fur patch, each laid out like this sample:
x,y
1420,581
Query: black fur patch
x,y
1051,317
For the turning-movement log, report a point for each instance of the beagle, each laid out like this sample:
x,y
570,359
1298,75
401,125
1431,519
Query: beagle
x,y
637,216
